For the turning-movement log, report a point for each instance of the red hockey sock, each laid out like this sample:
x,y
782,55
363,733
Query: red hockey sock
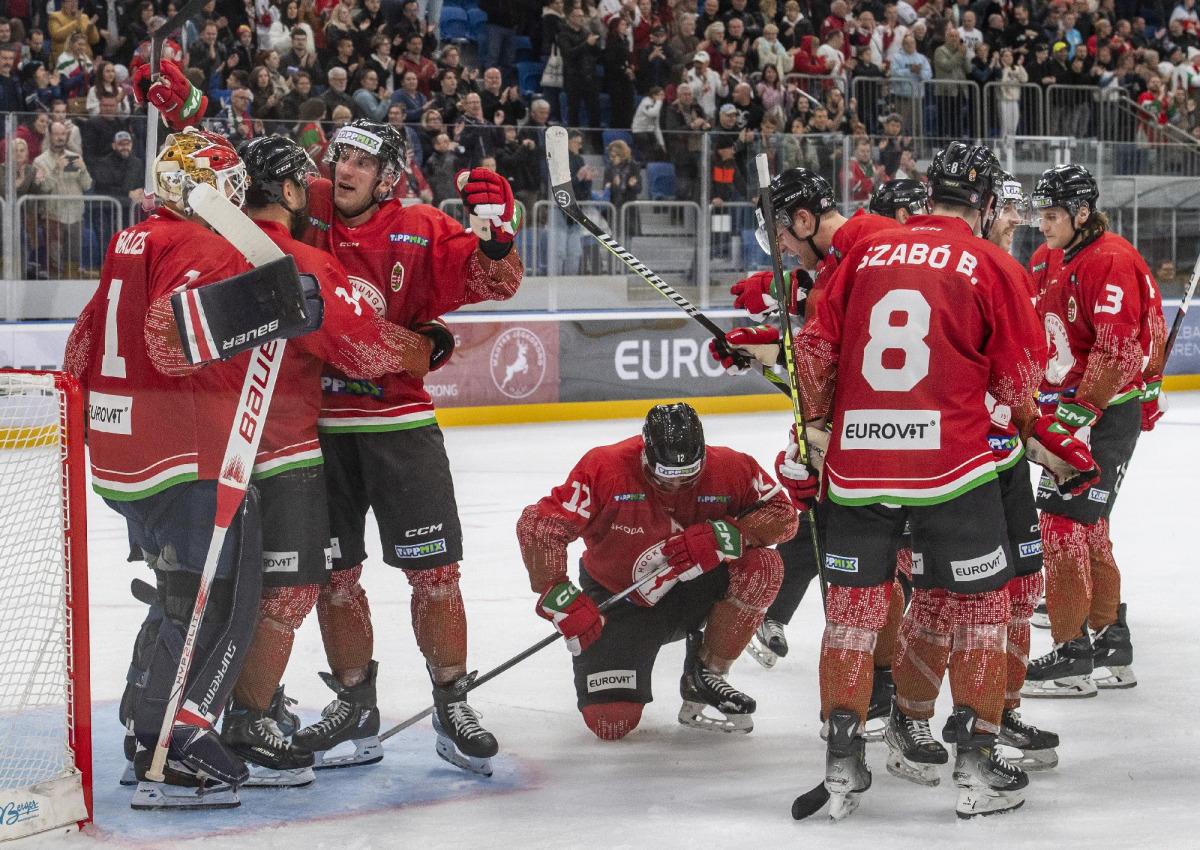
x,y
978,666
612,721
885,642
1068,575
439,620
281,612
754,580
345,619
1023,593
854,615
922,653
1106,578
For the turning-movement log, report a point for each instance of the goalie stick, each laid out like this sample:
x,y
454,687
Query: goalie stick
x,y
474,682
766,213
244,436
557,157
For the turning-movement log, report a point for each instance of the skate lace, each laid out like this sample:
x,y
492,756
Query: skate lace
x,y
332,716
1013,719
1003,766
770,629
918,730
268,730
464,719
718,684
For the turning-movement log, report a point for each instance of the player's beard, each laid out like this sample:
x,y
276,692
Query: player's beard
x,y
300,222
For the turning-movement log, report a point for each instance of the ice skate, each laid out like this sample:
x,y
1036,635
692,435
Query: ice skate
x,y
883,689
200,773
1063,672
987,784
701,688
353,717
281,711
913,753
460,739
846,773
1113,655
1041,617
129,776
769,643
1037,747
274,763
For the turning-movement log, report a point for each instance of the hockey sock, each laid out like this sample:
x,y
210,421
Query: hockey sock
x,y
853,617
922,653
977,657
1023,593
885,643
1068,575
1106,578
754,580
439,621
612,721
345,619
281,612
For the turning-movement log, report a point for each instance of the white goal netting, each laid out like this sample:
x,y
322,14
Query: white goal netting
x,y
35,686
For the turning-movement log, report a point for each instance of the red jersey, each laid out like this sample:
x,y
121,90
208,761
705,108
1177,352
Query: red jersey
x,y
858,227
147,431
1098,310
624,520
1004,435
919,323
410,265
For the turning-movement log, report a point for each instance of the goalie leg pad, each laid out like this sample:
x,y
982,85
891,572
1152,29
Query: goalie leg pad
x,y
612,721
281,612
439,621
1024,593
854,616
345,618
978,668
1106,578
922,653
1068,575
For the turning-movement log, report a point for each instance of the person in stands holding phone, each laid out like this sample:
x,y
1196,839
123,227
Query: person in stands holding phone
x,y
62,172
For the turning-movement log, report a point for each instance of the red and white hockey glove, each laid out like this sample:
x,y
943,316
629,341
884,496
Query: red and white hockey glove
x,y
759,342
180,103
799,479
759,296
1154,404
573,613
1066,456
702,547
488,196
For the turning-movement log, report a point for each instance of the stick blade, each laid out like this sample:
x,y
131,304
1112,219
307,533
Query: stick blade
x,y
810,802
559,162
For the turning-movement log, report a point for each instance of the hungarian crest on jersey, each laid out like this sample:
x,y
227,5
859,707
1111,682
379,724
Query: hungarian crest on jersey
x,y
397,277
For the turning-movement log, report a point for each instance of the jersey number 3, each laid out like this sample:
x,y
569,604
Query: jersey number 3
x,y
884,372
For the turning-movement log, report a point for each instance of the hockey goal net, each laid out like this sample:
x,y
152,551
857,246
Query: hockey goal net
x,y
45,721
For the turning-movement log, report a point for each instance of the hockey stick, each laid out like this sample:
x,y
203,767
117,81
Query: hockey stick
x,y
557,157
186,13
247,428
1183,308
606,605
767,214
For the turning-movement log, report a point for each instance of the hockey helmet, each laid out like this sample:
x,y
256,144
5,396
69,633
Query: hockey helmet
x,y
382,141
1010,194
191,157
904,193
270,161
963,174
674,445
1067,186
792,190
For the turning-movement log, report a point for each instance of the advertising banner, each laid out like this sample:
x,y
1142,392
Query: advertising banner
x,y
499,363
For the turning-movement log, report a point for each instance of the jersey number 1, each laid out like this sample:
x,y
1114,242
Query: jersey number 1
x,y
112,365
908,338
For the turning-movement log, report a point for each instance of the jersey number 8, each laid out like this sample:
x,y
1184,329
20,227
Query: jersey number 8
x,y
908,338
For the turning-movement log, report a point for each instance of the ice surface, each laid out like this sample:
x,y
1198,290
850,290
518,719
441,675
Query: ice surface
x,y
1129,775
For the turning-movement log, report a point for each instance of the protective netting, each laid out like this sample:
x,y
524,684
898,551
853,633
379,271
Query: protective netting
x,y
35,706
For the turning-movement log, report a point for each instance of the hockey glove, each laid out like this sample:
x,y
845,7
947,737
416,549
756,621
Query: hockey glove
x,y
443,342
1055,446
702,547
799,479
488,197
735,362
1154,404
573,613
180,103
759,296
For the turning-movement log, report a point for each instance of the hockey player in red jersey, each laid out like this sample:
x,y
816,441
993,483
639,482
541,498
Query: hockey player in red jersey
x,y
157,434
289,472
382,444
1103,323
661,498
904,345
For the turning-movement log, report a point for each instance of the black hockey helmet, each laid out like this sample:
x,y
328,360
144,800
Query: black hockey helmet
x,y
1066,186
963,174
270,162
382,141
905,193
674,444
791,190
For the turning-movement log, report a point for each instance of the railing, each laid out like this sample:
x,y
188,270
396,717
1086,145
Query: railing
x,y
1005,116
63,237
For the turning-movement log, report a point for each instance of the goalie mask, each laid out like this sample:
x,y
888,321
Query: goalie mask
x,y
674,446
197,156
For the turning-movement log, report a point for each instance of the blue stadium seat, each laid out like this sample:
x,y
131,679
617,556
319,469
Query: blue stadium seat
x,y
459,3
454,24
660,176
529,76
612,135
524,48
476,26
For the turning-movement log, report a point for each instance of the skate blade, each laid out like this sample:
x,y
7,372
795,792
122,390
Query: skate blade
x,y
449,753
692,714
1030,761
984,801
266,777
129,778
366,751
761,654
872,732
151,796
918,774
1114,678
841,806
1071,687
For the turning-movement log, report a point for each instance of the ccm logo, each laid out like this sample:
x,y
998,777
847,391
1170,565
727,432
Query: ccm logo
x,y
425,529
